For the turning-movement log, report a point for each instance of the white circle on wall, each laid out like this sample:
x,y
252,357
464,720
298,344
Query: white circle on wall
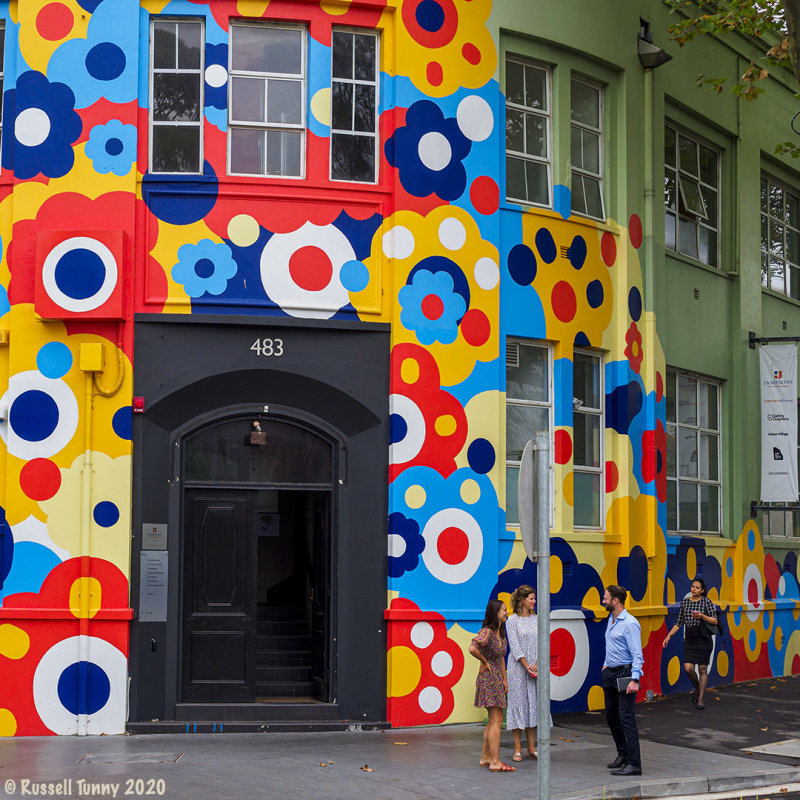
x,y
442,521
430,699
407,448
422,635
572,674
434,151
32,127
442,664
452,233
397,545
475,118
58,286
216,75
398,242
42,415
106,660
752,575
487,273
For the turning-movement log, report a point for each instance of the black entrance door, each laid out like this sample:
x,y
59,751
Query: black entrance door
x,y
219,597
320,597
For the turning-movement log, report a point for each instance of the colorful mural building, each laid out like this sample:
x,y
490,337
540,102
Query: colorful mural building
x,y
287,285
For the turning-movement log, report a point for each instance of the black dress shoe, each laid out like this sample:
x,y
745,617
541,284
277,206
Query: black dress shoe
x,y
618,762
628,769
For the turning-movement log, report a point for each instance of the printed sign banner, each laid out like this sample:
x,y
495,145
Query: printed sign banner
x,y
779,423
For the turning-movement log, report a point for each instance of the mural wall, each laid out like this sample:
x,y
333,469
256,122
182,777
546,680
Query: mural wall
x,y
91,237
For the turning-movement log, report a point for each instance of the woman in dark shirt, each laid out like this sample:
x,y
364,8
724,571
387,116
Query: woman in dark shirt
x,y
697,643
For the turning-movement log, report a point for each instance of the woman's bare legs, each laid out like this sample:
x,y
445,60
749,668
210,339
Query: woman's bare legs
x,y
517,734
531,735
689,670
491,738
701,684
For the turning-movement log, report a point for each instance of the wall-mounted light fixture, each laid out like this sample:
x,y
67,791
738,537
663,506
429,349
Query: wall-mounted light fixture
x,y
650,55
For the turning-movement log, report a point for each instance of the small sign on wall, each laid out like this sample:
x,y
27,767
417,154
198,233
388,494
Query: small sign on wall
x,y
154,536
153,585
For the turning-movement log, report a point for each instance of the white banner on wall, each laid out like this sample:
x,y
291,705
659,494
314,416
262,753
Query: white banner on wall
x,y
778,423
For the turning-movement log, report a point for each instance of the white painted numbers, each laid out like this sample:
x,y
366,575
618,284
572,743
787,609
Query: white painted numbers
x,y
268,347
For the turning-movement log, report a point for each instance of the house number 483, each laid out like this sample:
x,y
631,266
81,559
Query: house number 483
x,y
268,347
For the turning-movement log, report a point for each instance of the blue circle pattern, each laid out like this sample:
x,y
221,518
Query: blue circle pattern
x,y
546,245
122,422
752,640
204,268
33,415
481,456
80,273
408,529
112,147
178,204
595,294
729,567
635,304
751,539
354,275
430,16
105,61
398,428
54,360
216,96
442,264
576,252
581,340
424,283
94,678
106,514
197,283
522,264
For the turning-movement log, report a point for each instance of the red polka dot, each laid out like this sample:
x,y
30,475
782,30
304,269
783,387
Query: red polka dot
x,y
432,306
608,249
659,387
434,73
452,545
54,22
796,665
562,646
310,268
612,476
475,327
484,195
635,230
471,53
40,479
564,303
752,592
562,447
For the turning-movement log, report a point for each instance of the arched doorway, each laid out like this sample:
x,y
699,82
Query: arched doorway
x,y
256,530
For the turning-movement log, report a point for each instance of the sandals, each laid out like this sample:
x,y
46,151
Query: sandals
x,y
516,757
699,706
694,697
533,754
503,768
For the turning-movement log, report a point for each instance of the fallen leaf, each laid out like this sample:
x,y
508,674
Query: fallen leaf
x,y
718,699
748,752
564,739
323,764
367,768
765,729
758,710
773,688
784,789
400,744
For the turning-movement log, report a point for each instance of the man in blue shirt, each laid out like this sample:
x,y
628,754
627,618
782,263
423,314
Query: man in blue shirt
x,y
623,660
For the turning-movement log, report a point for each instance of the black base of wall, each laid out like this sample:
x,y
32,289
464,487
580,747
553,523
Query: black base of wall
x,y
135,728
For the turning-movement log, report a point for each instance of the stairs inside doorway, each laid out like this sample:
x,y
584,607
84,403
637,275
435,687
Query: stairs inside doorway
x,y
283,653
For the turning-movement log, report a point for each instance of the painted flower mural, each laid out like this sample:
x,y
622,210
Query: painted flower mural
x,y
204,268
112,147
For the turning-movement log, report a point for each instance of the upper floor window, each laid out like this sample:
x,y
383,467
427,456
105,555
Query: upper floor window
x,y
586,145
693,453
588,430
176,113
528,116
691,196
354,106
266,111
780,238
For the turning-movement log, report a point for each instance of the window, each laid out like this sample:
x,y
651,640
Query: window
x,y
267,100
176,113
528,132
586,144
693,453
691,196
780,238
354,102
528,408
588,429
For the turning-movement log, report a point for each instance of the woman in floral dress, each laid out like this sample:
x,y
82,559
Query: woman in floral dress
x,y
489,647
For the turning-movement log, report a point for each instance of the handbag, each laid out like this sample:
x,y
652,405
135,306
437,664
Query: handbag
x,y
258,438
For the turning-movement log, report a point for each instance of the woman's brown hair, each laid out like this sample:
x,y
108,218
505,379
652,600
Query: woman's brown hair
x,y
519,595
490,618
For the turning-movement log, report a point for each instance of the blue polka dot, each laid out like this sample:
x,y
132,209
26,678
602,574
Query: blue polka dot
x,y
94,678
176,203
114,146
204,268
751,539
89,5
481,456
545,245
576,253
595,294
635,304
33,415
105,61
522,264
562,200
354,276
106,514
752,641
737,618
581,340
5,306
122,422
430,16
729,567
765,620
632,573
80,273
54,360
398,428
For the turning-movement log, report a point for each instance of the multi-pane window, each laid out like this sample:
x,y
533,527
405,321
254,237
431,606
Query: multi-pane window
x,y
176,114
354,101
780,238
528,112
588,427
693,453
528,408
586,144
691,196
266,111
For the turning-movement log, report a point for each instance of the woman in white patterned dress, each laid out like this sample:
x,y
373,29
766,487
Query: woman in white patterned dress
x,y
522,670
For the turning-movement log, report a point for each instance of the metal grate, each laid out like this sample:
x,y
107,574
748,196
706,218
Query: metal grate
x,y
696,294
512,355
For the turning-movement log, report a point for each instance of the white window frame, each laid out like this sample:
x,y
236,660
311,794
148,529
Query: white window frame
x,y
512,341
357,82
766,220
548,117
599,177
178,71
302,126
601,413
673,428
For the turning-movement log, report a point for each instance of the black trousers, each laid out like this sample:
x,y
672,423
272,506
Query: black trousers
x,y
621,715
